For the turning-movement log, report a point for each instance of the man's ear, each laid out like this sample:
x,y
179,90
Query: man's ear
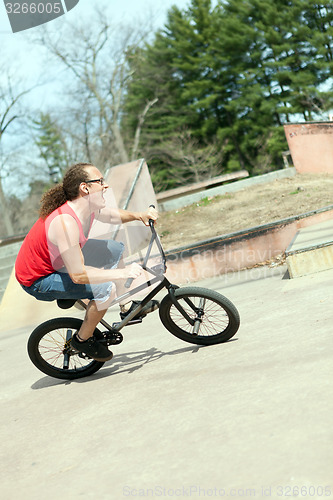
x,y
84,188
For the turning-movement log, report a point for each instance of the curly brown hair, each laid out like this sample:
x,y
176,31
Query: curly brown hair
x,y
67,190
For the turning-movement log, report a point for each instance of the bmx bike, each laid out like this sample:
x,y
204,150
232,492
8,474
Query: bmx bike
x,y
193,314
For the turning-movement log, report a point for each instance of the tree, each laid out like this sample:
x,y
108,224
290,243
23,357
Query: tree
x,y
97,73
234,74
10,113
189,160
281,79
165,70
51,145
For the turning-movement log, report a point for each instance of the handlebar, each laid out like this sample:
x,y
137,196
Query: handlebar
x,y
129,281
151,221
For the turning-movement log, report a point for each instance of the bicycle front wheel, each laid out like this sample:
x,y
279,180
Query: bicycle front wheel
x,y
199,316
49,348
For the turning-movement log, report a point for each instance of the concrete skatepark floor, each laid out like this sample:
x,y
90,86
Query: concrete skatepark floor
x,y
251,417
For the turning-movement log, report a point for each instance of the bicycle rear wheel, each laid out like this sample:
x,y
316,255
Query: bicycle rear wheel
x,y
49,348
202,316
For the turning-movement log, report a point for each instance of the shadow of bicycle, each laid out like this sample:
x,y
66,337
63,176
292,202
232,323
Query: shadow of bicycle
x,y
129,362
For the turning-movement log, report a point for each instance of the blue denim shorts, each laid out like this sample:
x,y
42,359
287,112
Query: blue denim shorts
x,y
59,285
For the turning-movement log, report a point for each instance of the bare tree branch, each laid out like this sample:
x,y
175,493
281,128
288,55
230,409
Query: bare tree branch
x,y
4,120
139,127
9,113
96,60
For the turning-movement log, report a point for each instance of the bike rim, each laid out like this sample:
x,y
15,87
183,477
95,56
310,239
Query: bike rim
x,y
55,351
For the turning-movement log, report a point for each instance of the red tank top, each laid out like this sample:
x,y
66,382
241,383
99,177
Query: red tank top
x,y
38,256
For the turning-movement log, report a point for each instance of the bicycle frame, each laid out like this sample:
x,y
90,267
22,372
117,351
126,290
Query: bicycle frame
x,y
158,276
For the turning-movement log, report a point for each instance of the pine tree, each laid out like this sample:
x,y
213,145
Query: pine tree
x,y
51,145
232,74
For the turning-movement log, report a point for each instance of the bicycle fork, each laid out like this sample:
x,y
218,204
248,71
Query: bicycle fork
x,y
199,311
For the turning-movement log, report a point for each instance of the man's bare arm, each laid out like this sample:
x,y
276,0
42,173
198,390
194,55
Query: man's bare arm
x,y
118,216
64,233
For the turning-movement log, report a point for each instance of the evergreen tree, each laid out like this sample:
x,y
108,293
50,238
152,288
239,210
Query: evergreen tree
x,y
51,145
234,73
166,70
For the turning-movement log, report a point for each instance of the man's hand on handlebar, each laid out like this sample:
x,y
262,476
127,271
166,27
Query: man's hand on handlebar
x,y
150,214
129,272
133,271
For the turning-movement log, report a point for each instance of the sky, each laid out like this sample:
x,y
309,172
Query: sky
x,y
124,9
28,60
30,64
120,10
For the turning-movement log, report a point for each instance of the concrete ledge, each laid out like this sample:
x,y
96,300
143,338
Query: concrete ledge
x,y
8,252
233,187
170,194
310,261
240,250
311,250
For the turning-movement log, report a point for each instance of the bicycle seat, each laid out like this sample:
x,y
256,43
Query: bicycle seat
x,y
65,303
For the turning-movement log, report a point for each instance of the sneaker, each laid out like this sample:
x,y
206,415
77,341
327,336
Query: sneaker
x,y
151,306
92,348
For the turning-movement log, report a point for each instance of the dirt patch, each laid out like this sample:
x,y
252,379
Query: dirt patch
x,y
250,207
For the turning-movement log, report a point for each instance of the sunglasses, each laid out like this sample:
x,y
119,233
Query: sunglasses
x,y
101,181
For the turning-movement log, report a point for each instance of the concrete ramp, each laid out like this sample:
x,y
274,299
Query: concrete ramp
x,y
311,250
19,309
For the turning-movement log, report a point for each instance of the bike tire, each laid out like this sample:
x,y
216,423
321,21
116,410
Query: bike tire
x,y
47,348
220,320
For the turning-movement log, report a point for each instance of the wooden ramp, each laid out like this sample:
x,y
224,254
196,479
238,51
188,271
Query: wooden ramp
x,y
311,250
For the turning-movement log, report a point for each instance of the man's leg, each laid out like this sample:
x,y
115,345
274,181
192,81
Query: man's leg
x,y
84,340
94,313
121,284
92,318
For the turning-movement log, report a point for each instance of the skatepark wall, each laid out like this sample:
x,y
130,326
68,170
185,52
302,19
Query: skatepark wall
x,y
311,146
256,246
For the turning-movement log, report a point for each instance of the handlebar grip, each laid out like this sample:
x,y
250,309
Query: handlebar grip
x,y
151,222
128,283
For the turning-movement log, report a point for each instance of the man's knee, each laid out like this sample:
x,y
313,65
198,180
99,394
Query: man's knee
x,y
105,304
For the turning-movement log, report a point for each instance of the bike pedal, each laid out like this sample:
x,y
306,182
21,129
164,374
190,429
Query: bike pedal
x,y
135,321
83,356
114,338
132,322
